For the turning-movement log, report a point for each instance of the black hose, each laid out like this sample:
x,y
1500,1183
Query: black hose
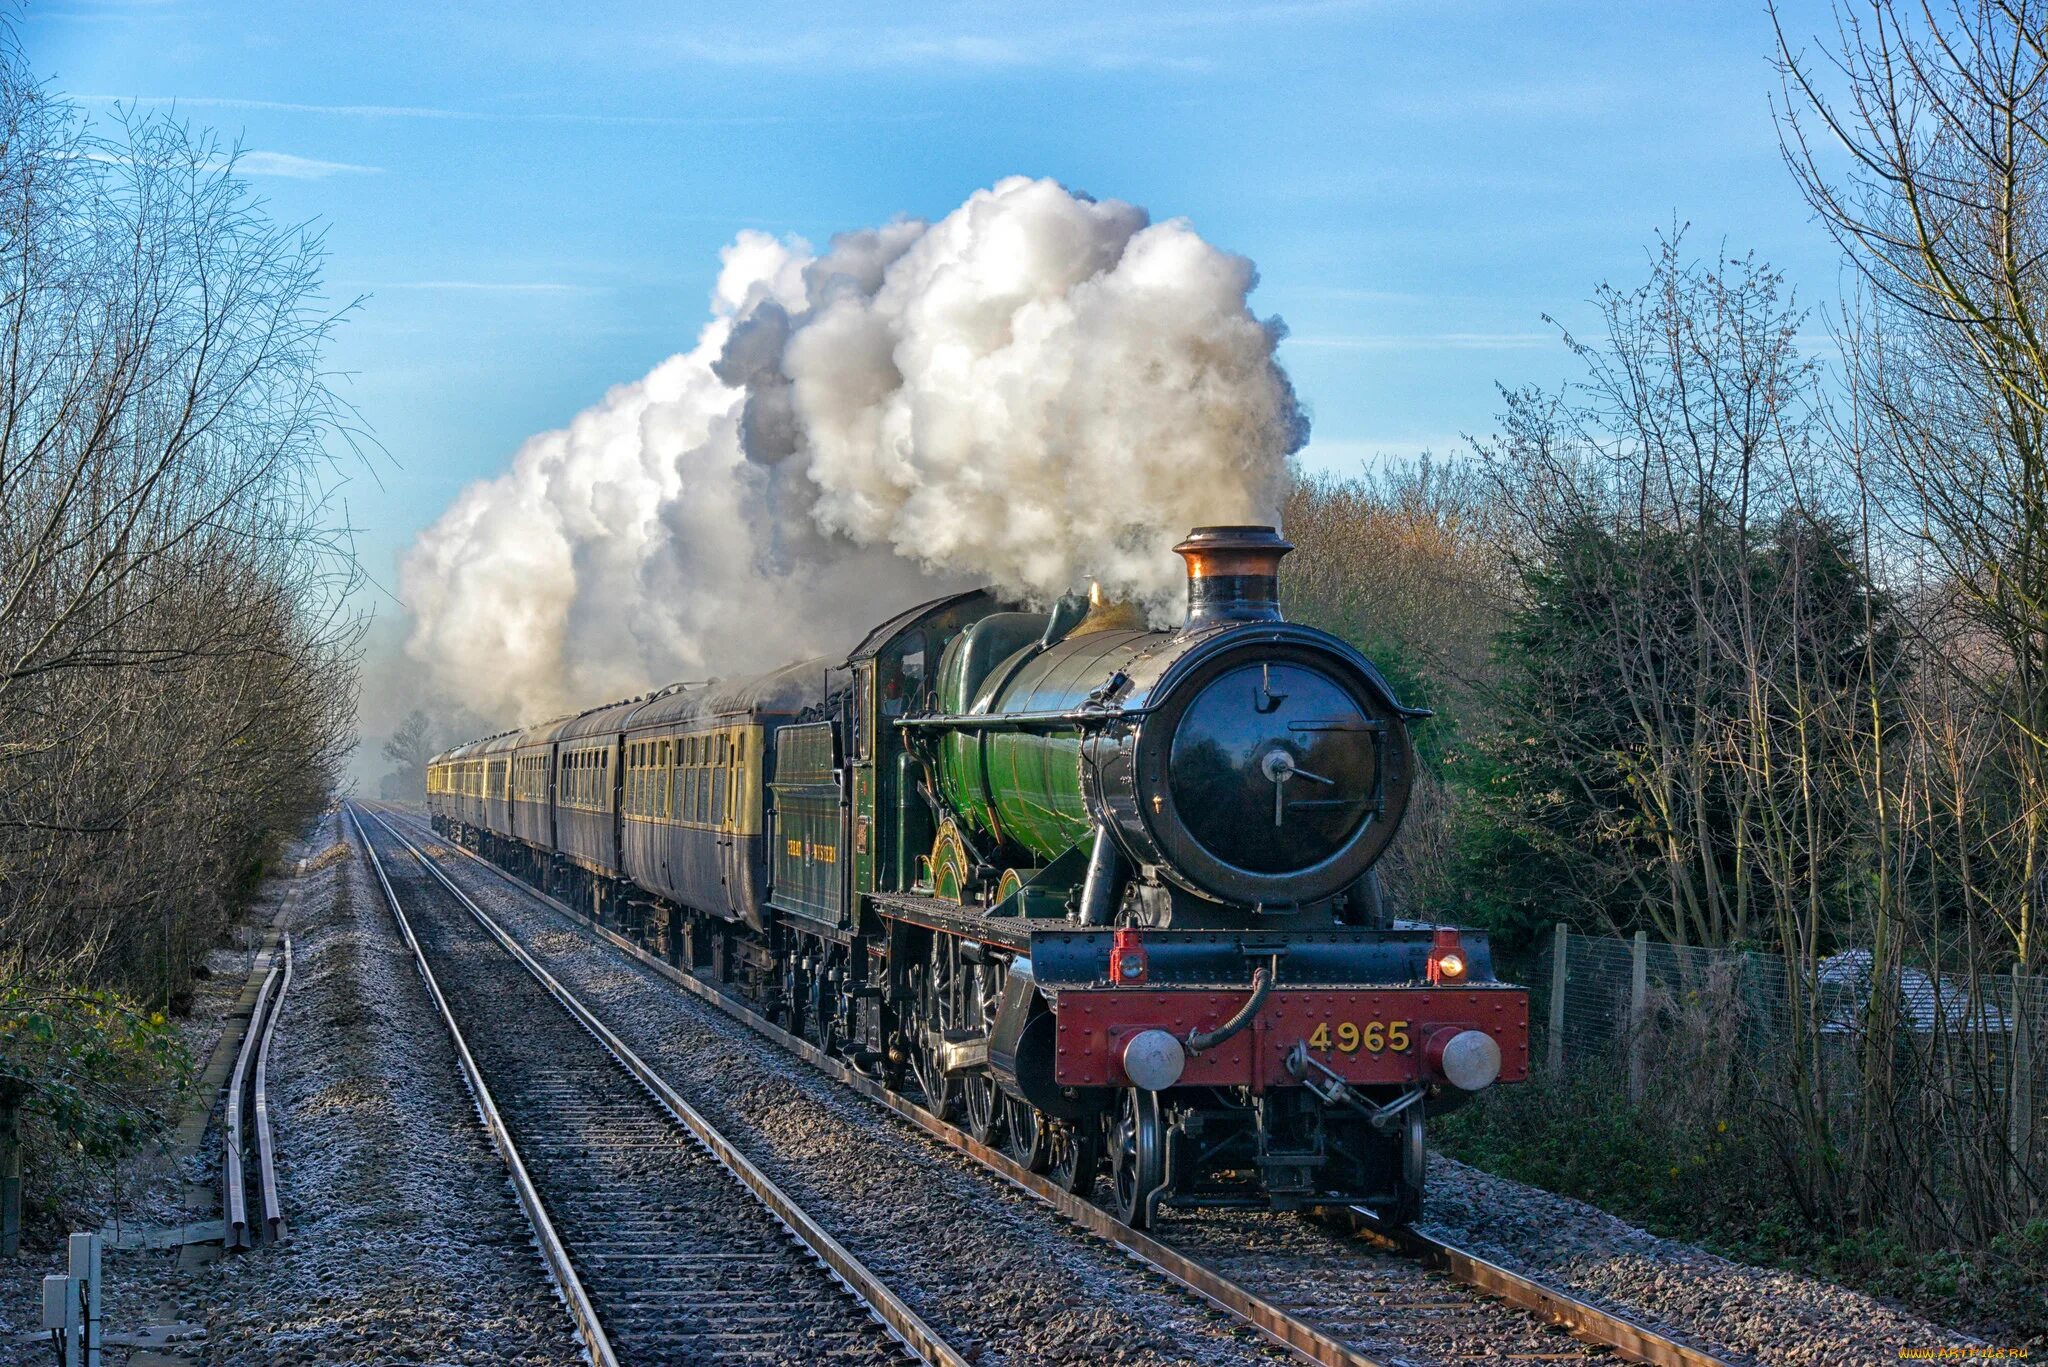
x,y
1262,983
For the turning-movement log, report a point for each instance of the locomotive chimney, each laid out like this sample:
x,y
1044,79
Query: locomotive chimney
x,y
1233,574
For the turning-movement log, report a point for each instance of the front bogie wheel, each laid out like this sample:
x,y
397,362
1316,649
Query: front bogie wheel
x,y
1137,1156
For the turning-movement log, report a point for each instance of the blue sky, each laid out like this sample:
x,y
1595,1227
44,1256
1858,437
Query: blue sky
x,y
533,196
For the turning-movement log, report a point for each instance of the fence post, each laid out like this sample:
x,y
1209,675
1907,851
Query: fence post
x,y
1555,1051
10,1170
2019,1097
1638,990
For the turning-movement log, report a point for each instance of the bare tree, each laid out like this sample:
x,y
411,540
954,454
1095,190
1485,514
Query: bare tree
x,y
1943,208
409,748
176,642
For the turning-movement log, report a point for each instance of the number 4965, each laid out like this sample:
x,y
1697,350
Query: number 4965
x,y
1375,1037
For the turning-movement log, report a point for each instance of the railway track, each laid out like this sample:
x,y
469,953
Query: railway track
x,y
249,1091
665,1241
1343,1293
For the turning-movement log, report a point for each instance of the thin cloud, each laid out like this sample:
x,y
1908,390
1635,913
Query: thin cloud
x,y
1114,43
101,10
866,51
280,164
416,111
488,286
289,167
1430,341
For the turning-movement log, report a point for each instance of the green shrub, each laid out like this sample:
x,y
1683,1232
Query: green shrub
x,y
87,1076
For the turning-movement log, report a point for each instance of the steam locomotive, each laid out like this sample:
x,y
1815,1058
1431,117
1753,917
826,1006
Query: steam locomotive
x,y
1096,892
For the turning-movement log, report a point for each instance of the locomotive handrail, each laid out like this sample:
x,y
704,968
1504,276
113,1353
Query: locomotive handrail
x,y
1012,721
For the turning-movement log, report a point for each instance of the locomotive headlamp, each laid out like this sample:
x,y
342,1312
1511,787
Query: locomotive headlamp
x,y
1446,957
1128,962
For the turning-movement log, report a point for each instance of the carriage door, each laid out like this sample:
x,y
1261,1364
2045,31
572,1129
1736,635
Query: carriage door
x,y
863,729
728,785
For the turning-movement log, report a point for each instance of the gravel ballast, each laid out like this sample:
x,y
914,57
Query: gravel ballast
x,y
1772,1316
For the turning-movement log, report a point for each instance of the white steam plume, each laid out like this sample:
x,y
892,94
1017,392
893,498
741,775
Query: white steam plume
x,y
1036,390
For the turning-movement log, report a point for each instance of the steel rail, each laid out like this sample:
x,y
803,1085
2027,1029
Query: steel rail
x,y
887,1307
234,1157
588,1327
1577,1317
1582,1319
266,1149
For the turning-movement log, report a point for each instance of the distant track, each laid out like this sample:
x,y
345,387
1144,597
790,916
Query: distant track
x,y
1292,1301
667,1243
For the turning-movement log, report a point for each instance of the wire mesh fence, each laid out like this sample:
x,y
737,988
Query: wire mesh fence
x,y
1952,1049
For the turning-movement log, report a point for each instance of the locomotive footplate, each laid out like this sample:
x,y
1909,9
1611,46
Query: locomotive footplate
x,y
951,918
1367,1035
